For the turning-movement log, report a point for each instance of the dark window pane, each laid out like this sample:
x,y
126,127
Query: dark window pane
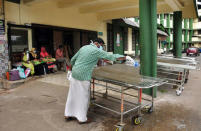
x,y
19,40
110,40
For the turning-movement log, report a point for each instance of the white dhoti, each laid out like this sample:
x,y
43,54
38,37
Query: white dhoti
x,y
77,103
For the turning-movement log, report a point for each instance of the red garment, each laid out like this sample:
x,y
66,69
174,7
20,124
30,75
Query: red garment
x,y
43,53
59,54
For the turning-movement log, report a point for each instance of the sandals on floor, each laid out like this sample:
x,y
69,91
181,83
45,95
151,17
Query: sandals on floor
x,y
85,122
67,118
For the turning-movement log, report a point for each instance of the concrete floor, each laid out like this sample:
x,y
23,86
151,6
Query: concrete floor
x,y
39,105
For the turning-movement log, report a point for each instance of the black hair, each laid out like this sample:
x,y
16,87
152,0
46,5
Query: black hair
x,y
99,40
25,49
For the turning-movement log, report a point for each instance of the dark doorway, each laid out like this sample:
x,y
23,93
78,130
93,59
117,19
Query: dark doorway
x,y
69,42
52,36
43,37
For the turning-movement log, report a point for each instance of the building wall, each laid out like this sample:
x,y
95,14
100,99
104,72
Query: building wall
x,y
197,35
186,27
3,57
47,13
130,50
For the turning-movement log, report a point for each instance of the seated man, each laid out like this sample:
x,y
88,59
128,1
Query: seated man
x,y
60,58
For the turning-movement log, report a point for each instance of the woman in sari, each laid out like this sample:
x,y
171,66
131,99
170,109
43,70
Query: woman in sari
x,y
46,57
43,53
33,54
26,61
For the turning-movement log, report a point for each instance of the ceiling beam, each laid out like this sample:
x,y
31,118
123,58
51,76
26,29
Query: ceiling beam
x,y
131,12
174,4
31,2
101,7
108,15
28,2
69,3
189,11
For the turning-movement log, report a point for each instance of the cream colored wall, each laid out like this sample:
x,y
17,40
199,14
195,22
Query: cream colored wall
x,y
197,25
130,52
30,39
47,13
197,45
196,39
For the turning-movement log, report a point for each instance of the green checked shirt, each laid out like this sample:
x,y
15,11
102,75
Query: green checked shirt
x,y
84,61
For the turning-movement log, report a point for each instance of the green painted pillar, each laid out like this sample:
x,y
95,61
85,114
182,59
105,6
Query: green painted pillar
x,y
177,27
190,30
190,35
162,22
168,26
185,38
191,24
148,39
185,23
185,33
168,39
162,19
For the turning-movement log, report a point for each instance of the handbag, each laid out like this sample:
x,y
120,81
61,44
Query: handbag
x,y
14,75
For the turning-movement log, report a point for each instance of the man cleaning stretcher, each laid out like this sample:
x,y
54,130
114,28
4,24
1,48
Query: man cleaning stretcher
x,y
82,65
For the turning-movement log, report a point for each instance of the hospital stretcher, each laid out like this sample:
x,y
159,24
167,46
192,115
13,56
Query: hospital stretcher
x,y
176,70
123,85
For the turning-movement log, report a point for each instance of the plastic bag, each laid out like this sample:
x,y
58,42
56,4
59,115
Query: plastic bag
x,y
69,75
129,61
21,72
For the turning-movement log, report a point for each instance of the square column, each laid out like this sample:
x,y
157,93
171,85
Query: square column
x,y
177,29
148,39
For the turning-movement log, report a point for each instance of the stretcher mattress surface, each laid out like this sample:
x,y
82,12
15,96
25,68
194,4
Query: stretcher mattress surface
x,y
172,61
124,74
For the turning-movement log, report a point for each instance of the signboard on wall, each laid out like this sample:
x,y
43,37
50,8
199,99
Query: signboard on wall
x,y
2,27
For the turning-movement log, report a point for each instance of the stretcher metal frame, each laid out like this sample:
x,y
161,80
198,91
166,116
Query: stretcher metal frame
x,y
181,71
146,82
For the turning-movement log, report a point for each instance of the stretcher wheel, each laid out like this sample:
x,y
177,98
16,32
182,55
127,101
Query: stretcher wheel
x,y
136,120
182,88
150,110
178,92
118,129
